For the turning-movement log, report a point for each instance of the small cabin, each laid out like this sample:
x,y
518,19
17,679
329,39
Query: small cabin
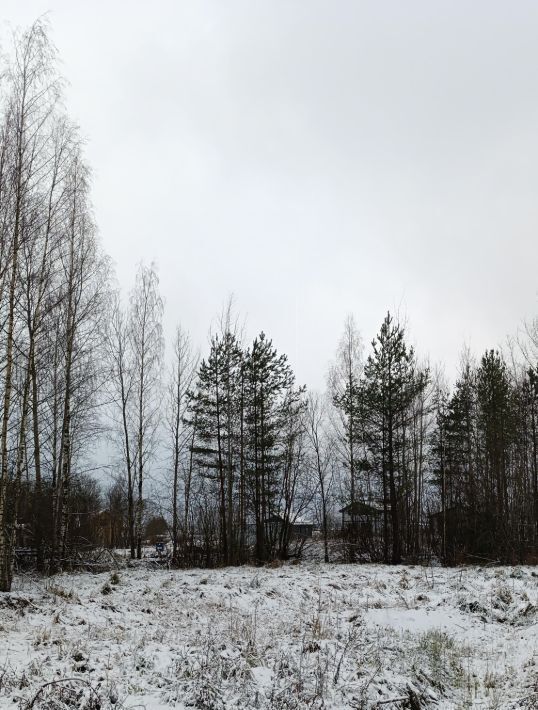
x,y
299,527
302,528
365,518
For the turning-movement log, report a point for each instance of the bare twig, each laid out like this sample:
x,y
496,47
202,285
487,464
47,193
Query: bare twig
x,y
57,682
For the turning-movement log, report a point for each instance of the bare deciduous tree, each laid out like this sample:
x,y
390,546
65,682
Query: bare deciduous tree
x,y
145,334
183,371
322,458
344,376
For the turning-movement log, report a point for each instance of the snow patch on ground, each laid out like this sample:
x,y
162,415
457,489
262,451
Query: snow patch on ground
x,y
290,637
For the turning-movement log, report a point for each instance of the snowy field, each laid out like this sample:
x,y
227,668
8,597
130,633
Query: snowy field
x,y
303,636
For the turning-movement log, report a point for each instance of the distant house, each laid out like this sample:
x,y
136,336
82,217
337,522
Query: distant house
x,y
299,528
302,528
364,518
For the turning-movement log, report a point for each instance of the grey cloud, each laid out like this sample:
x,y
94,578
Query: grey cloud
x,y
314,158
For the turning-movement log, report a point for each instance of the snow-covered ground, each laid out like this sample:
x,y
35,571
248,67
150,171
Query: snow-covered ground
x,y
295,636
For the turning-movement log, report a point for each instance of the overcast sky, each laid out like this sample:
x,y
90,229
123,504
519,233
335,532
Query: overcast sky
x,y
314,158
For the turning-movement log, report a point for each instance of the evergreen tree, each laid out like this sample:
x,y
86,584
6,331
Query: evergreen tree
x,y
390,384
270,402
494,426
216,407
532,404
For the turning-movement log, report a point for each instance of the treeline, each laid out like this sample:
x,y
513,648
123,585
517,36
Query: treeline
x,y
230,426
227,454
455,470
484,460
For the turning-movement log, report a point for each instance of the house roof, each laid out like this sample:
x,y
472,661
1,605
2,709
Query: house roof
x,y
302,521
297,520
360,508
276,518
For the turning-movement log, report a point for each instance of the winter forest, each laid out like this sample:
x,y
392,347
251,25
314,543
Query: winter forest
x,y
215,447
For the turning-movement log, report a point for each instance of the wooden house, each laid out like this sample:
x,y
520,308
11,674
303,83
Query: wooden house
x,y
365,518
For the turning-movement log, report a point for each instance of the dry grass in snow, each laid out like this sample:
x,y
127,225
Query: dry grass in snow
x,y
290,637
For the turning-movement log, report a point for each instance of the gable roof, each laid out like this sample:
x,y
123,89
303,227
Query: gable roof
x,y
360,508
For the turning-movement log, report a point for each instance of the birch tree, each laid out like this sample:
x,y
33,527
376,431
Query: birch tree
x,y
33,92
322,455
145,333
344,378
183,372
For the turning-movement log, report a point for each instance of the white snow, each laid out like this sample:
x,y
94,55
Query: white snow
x,y
295,636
